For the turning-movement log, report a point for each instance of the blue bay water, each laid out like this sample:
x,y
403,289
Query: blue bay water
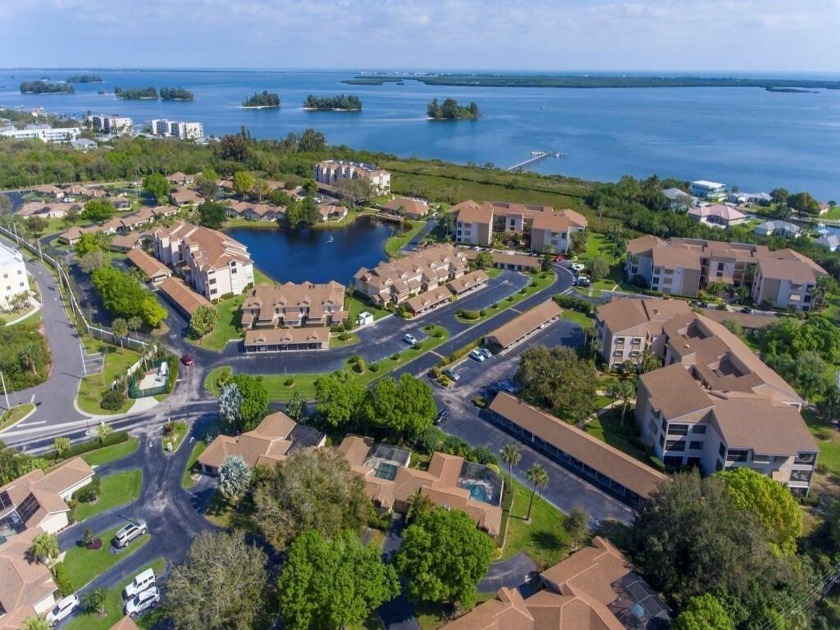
x,y
748,137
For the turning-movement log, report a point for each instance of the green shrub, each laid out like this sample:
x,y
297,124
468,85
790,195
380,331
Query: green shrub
x,y
359,365
482,312
374,367
471,315
343,336
575,304
112,400
118,437
62,580
657,463
289,382
480,402
395,356
812,499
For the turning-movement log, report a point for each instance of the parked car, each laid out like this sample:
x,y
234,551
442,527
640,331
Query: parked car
x,y
442,414
142,602
187,359
140,583
578,267
128,533
486,352
747,310
507,386
452,374
583,282
409,338
475,353
63,609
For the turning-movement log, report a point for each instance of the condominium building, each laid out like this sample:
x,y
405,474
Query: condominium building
x,y
550,231
397,280
45,133
177,129
330,172
13,278
111,125
214,263
704,189
715,404
681,266
291,304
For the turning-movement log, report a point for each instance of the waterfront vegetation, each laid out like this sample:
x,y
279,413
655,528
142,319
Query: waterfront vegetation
x,y
114,490
395,243
46,87
450,110
84,78
136,94
348,103
266,99
90,620
112,453
176,94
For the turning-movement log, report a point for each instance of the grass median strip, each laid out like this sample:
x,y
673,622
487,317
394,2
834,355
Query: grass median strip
x,y
85,564
90,620
14,415
115,490
186,479
110,454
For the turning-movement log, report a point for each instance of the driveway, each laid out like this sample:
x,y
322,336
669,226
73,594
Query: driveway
x,y
510,573
398,614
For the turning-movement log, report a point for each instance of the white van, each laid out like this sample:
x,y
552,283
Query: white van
x,y
141,582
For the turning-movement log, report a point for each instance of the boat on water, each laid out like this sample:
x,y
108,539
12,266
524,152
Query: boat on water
x,y
330,239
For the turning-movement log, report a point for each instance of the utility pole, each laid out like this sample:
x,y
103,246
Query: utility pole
x,y
5,393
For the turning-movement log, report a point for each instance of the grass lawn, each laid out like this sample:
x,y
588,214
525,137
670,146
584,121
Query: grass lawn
x,y
261,278
111,453
304,382
14,415
355,305
114,606
828,441
543,538
578,318
228,327
11,316
395,243
335,342
85,564
175,438
430,615
117,489
186,478
608,428
117,361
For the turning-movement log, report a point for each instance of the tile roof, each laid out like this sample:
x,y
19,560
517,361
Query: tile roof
x,y
605,459
281,336
261,301
674,392
625,313
468,281
178,291
412,207
525,323
22,583
559,221
149,265
471,212
126,623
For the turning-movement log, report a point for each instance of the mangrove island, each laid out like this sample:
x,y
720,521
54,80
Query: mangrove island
x,y
450,110
176,94
84,78
46,87
136,94
339,103
264,100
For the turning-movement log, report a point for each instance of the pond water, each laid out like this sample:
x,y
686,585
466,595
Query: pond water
x,y
316,255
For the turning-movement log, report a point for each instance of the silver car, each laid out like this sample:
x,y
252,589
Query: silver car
x,y
142,602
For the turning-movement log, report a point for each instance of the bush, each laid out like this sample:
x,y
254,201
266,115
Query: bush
x,y
575,304
812,499
343,336
483,455
89,493
471,315
112,400
62,580
168,428
118,437
461,352
657,463
437,333
374,367
480,402
289,382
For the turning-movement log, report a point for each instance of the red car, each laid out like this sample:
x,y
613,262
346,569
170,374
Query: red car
x,y
186,359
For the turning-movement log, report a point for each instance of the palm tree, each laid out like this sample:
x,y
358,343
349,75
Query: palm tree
x,y
28,357
626,391
419,505
511,457
35,623
135,323
45,548
95,600
120,328
537,476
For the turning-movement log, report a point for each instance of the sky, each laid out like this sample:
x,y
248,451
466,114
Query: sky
x,y
785,36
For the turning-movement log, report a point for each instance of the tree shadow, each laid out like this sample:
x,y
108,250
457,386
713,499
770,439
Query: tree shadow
x,y
548,540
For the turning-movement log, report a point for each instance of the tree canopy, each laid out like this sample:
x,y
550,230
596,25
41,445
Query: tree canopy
x,y
98,210
222,584
333,583
125,297
557,380
157,186
405,407
338,399
704,612
350,102
212,214
443,556
243,403
310,490
450,110
203,321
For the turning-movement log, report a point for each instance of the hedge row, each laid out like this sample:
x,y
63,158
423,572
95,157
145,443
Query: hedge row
x,y
460,352
575,304
118,437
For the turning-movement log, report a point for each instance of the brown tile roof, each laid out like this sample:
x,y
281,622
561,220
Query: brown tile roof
x,y
525,323
559,221
126,241
59,479
22,583
605,459
468,281
471,212
280,336
625,313
182,295
674,392
431,265
507,258
412,207
152,267
433,297
184,195
268,442
126,623
796,271
643,244
291,299
507,611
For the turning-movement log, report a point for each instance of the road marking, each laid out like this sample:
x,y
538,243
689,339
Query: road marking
x,y
32,424
514,309
32,399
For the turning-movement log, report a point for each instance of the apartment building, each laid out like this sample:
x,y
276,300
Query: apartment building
x,y
550,231
395,281
704,189
291,304
111,125
213,263
13,278
330,172
682,266
715,404
177,129
44,133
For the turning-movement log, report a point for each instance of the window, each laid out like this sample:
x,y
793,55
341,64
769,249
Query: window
x,y
673,461
652,427
675,445
737,455
722,450
695,446
805,458
678,429
698,428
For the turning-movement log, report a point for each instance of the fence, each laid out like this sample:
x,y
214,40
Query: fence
x,y
64,282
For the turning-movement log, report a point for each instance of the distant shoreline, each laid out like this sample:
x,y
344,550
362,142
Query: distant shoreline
x,y
260,107
336,109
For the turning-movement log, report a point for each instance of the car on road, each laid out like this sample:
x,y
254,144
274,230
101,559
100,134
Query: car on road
x,y
140,583
486,352
187,359
747,310
442,414
583,282
409,338
128,533
452,374
142,602
63,609
578,266
475,354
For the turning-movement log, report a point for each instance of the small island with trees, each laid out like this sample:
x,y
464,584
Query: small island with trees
x,y
176,94
84,78
339,103
262,101
450,110
46,87
136,94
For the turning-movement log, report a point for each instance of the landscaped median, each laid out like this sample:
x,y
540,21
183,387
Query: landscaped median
x,y
281,387
84,564
113,491
90,620
108,454
192,465
14,415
